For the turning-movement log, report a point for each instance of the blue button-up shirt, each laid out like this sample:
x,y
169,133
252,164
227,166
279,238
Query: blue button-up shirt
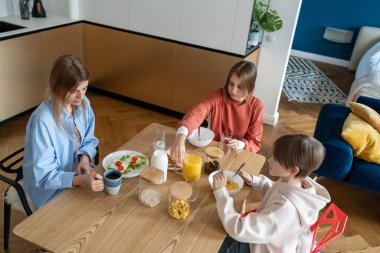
x,y
49,154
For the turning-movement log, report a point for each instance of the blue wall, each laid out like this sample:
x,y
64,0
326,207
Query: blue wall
x,y
315,15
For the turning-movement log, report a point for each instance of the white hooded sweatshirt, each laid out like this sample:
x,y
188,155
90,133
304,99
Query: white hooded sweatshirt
x,y
285,212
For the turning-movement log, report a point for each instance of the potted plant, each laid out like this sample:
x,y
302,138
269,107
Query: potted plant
x,y
265,19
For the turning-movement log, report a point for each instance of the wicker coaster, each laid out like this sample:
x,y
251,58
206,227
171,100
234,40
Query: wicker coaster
x,y
214,152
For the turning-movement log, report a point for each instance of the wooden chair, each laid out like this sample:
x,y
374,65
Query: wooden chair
x,y
12,164
337,221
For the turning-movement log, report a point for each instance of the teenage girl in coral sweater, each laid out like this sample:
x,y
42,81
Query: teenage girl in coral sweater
x,y
232,109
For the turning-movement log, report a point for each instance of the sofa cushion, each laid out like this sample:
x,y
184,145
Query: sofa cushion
x,y
374,103
330,122
367,114
365,175
363,138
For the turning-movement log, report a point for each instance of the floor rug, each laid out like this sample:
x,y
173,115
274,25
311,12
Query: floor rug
x,y
304,82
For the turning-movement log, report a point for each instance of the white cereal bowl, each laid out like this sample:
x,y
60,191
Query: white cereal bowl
x,y
206,137
238,179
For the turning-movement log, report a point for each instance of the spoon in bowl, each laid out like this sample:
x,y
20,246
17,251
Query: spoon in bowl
x,y
241,166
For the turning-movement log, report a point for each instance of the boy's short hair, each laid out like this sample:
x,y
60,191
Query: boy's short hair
x,y
299,150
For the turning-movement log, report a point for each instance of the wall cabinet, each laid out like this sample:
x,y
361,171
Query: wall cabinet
x,y
25,66
216,24
155,71
213,26
159,19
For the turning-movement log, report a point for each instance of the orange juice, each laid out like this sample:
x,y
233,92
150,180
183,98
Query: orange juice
x,y
192,166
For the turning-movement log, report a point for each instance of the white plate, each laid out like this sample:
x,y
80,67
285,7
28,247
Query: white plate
x,y
109,159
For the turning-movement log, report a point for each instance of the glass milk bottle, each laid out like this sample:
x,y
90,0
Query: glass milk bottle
x,y
160,161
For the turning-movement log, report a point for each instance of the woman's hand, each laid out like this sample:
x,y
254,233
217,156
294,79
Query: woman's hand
x,y
84,168
84,165
219,180
233,144
92,180
246,177
178,149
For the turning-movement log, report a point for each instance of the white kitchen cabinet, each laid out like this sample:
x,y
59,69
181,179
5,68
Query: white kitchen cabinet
x,y
113,13
215,24
159,18
207,23
241,27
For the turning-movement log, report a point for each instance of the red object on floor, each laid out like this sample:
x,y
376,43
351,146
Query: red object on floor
x,y
337,221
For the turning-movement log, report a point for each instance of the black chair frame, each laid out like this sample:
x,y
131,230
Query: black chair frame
x,y
15,168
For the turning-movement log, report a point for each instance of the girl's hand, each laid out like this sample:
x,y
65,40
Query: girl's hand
x,y
233,144
219,180
246,177
178,149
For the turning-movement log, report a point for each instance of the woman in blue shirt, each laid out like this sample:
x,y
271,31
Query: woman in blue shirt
x,y
60,139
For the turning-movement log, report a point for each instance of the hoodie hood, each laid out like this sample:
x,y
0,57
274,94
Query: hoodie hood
x,y
307,201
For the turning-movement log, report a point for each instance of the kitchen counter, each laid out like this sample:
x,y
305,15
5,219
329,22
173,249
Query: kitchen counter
x,y
34,24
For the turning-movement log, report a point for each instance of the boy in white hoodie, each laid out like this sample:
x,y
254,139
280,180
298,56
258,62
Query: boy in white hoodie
x,y
290,205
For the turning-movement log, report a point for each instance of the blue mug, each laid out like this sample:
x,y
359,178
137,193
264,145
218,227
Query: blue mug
x,y
112,181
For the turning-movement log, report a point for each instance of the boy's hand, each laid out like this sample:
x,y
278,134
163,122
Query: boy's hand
x,y
246,177
220,180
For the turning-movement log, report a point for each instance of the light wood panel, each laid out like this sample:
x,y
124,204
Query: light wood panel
x,y
150,70
158,72
197,73
56,42
106,58
21,85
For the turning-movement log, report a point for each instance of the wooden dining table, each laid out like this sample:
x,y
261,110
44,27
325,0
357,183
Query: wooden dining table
x,y
79,220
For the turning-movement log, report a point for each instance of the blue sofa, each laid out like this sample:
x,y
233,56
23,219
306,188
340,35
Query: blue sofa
x,y
339,163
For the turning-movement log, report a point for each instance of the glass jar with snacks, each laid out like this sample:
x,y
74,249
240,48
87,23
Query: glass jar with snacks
x,y
150,187
179,200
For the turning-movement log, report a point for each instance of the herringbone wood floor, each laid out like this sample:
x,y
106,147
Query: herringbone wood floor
x,y
118,121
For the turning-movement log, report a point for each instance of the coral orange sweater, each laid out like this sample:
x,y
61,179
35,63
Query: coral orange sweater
x,y
243,120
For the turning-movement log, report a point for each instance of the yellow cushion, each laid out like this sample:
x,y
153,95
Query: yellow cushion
x,y
363,138
367,114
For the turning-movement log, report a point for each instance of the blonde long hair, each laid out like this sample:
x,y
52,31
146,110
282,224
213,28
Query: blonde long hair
x,y
247,72
67,73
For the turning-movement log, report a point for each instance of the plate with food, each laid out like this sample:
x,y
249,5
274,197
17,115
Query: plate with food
x,y
129,163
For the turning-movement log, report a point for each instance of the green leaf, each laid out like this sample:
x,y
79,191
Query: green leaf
x,y
264,18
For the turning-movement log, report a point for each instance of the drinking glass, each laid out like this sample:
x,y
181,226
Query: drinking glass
x,y
225,138
159,140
